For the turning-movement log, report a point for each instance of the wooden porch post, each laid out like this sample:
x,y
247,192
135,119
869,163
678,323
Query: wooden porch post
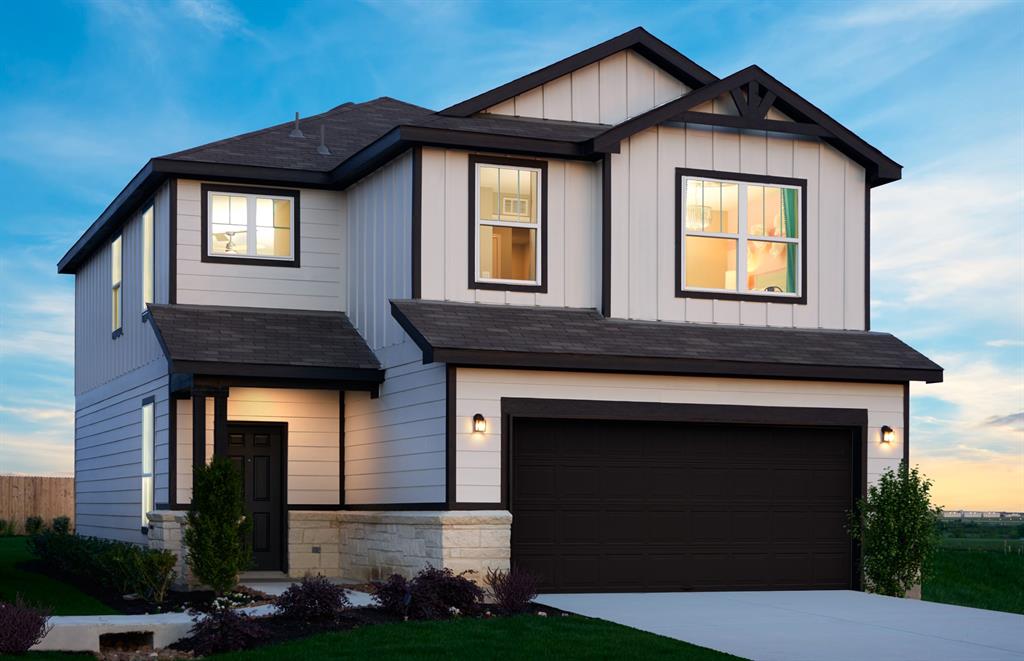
x,y
220,423
198,429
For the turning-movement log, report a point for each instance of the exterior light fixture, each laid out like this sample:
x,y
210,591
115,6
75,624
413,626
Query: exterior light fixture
x,y
479,423
888,435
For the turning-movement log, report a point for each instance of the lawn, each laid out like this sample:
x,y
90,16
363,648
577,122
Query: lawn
x,y
38,589
522,637
990,579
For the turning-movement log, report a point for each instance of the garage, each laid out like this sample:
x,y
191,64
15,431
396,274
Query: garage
x,y
667,505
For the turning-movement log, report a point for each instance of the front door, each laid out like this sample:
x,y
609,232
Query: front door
x,y
256,449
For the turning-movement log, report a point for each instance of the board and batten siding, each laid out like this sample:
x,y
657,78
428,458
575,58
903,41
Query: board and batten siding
x,y
395,443
99,358
609,91
478,460
318,283
644,225
379,250
108,453
313,438
573,226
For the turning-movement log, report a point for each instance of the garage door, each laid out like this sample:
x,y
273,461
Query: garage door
x,y
632,506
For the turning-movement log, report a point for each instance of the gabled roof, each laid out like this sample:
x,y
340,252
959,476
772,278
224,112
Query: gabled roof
x,y
637,39
582,339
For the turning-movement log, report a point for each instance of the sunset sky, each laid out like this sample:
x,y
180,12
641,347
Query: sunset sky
x,y
90,90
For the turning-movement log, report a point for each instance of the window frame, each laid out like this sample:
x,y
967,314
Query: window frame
x,y
147,488
205,195
681,174
117,289
540,285
148,267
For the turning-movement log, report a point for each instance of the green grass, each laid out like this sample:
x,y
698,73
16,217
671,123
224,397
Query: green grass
x,y
38,589
523,637
983,544
981,579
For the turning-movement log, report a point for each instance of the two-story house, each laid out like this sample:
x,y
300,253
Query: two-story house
x,y
608,322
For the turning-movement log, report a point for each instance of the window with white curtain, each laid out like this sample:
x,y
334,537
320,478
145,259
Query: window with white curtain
x,y
148,450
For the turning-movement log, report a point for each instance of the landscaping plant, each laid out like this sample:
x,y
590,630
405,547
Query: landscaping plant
x,y
33,525
224,629
21,626
513,590
217,527
6,528
313,599
61,525
431,594
897,528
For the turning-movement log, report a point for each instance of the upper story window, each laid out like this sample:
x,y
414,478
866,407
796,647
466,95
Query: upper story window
x,y
508,224
116,297
148,258
741,236
242,224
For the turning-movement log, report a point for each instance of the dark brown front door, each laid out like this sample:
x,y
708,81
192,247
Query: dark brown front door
x,y
256,448
614,506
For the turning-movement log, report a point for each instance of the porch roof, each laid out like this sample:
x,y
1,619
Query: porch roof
x,y
263,342
582,339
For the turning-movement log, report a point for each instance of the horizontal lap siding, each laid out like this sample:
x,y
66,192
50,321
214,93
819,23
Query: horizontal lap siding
x,y
313,438
318,284
478,459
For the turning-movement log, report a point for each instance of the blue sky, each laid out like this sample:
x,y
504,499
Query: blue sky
x,y
90,90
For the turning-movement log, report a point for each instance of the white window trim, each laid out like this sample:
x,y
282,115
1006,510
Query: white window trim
x,y
147,482
537,225
742,236
250,228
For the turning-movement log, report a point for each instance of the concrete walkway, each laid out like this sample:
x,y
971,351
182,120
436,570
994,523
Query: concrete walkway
x,y
812,625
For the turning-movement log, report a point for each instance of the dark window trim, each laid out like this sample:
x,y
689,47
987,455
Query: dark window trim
x,y
204,211
416,239
746,178
906,423
475,159
172,242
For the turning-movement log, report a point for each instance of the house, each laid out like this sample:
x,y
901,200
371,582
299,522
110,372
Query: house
x,y
608,322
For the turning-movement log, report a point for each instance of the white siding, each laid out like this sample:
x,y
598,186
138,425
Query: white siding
x,y
478,458
395,444
643,225
379,249
318,284
108,453
574,234
610,91
313,431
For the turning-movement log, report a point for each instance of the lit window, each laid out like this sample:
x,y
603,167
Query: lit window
x,y
116,301
741,237
244,225
148,257
148,449
508,224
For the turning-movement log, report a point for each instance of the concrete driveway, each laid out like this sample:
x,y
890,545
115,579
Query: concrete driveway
x,y
811,625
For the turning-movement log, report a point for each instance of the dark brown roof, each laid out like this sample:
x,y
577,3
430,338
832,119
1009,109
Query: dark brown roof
x,y
523,127
574,338
263,342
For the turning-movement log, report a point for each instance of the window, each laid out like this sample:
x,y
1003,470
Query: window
x,y
148,449
116,299
741,235
148,258
508,224
250,225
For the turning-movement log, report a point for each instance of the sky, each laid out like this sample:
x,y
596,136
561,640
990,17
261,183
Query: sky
x,y
90,90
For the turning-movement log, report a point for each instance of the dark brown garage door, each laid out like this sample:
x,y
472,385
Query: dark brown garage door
x,y
631,506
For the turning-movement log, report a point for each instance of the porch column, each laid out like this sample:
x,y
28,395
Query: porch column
x,y
198,429
220,423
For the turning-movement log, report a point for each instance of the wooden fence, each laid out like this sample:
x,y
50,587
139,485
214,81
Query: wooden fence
x,y
22,496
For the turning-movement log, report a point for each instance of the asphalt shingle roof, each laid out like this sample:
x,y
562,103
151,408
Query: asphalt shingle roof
x,y
260,336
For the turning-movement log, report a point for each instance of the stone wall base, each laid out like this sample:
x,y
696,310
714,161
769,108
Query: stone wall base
x,y
165,534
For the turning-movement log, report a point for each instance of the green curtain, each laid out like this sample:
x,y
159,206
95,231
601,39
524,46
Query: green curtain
x,y
789,218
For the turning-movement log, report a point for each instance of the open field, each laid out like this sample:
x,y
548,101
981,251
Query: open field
x,y
980,579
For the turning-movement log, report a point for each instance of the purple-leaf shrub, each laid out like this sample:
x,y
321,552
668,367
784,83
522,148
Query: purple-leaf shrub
x,y
21,626
513,589
432,594
313,599
224,629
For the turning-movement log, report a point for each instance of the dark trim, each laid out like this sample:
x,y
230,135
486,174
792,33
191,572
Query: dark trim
x,y
172,241
906,424
198,430
149,400
341,447
220,423
414,333
638,39
183,381
867,258
240,174
298,507
415,260
606,235
746,178
335,374
114,334
474,160
450,441
172,448
749,124
204,238
384,507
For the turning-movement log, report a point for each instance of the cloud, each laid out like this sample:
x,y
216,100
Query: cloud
x,y
898,13
37,453
217,17
1004,343
41,414
1013,421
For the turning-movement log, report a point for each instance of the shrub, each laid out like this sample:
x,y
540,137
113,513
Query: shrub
x,y
61,525
313,599
218,529
21,626
154,574
224,629
896,526
6,528
431,594
33,525
513,589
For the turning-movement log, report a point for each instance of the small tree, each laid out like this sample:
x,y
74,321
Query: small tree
x,y
896,526
217,527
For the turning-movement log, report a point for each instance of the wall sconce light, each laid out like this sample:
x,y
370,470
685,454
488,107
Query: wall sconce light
x,y
479,423
888,435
